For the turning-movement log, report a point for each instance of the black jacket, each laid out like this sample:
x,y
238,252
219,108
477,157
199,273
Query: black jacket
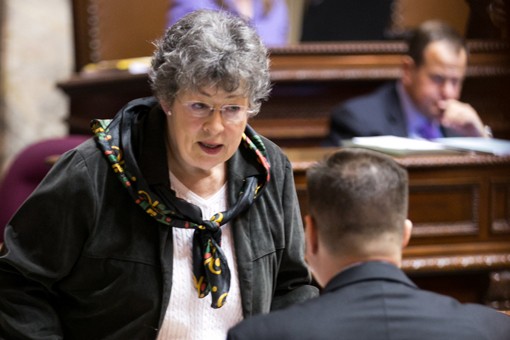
x,y
377,301
378,113
82,261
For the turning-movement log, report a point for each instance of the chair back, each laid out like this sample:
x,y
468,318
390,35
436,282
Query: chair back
x,y
27,170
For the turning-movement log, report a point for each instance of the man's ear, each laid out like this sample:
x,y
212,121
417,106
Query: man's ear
x,y
408,68
311,237
408,228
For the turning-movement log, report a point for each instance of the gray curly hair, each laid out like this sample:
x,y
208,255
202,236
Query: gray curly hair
x,y
210,48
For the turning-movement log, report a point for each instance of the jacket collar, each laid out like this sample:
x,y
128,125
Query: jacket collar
x,y
371,270
393,110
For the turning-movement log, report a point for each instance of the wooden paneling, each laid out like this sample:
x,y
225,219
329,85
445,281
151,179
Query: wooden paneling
x,y
309,80
413,12
445,207
500,207
459,206
116,29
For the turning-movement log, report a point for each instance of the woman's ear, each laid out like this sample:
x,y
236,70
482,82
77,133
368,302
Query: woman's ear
x,y
165,107
408,228
408,68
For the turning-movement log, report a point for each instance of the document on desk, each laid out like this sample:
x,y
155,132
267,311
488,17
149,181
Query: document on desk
x,y
453,145
399,145
499,147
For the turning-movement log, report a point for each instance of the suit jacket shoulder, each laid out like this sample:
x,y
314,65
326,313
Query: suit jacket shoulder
x,y
374,114
377,300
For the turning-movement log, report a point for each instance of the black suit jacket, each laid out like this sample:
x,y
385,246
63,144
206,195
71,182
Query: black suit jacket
x,y
376,300
376,114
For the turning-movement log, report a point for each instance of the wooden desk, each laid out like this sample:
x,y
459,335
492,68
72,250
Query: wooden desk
x,y
308,80
460,208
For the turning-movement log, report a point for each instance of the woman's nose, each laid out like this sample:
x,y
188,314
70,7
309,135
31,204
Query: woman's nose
x,y
214,123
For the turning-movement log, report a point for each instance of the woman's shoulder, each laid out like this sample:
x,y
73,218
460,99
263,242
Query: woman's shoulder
x,y
279,161
273,150
244,158
88,149
84,155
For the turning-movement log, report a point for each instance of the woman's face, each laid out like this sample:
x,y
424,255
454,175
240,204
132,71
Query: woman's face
x,y
201,139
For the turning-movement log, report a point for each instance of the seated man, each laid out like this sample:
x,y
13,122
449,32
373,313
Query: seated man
x,y
424,103
355,233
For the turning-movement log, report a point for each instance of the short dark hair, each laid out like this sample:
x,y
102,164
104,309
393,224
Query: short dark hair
x,y
357,192
429,32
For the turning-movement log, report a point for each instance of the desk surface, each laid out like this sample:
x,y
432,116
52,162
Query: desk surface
x,y
302,158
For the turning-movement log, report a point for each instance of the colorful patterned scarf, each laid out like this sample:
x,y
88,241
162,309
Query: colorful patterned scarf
x,y
210,268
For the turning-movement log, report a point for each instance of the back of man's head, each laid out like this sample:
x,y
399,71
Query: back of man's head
x,y
357,196
429,32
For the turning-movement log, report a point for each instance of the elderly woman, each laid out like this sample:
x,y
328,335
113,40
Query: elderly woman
x,y
177,221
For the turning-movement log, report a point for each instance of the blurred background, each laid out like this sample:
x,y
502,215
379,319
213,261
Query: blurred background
x,y
43,43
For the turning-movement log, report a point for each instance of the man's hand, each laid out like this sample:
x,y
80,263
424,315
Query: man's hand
x,y
461,118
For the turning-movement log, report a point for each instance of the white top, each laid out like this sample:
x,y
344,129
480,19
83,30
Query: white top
x,y
187,316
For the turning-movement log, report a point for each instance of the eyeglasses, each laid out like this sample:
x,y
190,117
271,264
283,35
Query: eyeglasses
x,y
231,113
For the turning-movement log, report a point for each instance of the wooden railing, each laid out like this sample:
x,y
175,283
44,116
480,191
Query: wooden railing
x,y
309,79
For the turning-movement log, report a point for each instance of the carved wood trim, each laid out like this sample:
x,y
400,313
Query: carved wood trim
x,y
373,60
500,226
377,47
500,207
374,73
446,229
94,41
358,47
336,74
436,258
498,293
455,263
452,160
302,159
86,32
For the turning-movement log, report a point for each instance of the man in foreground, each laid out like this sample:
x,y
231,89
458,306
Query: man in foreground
x,y
355,233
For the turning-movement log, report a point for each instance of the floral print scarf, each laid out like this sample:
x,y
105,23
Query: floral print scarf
x,y
211,273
